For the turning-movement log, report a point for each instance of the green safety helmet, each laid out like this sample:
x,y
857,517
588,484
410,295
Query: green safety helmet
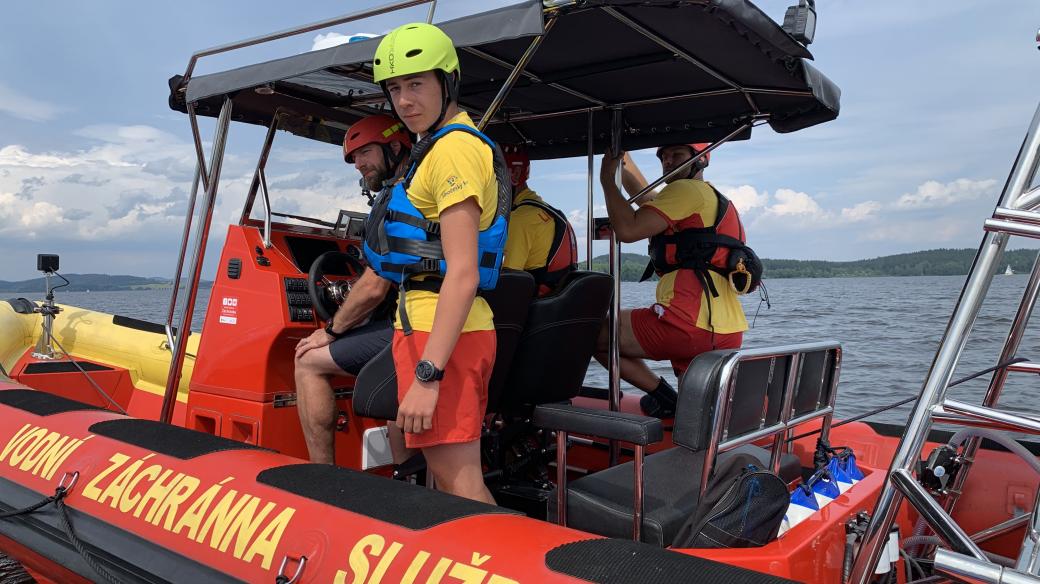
x,y
414,48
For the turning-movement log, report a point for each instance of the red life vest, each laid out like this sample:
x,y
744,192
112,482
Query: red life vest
x,y
719,248
562,258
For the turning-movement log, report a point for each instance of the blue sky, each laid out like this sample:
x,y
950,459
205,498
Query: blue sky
x,y
936,96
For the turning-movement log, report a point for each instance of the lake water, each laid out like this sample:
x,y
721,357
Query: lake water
x,y
889,329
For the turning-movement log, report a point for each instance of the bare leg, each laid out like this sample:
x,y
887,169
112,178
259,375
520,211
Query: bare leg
x,y
633,367
398,450
316,404
457,470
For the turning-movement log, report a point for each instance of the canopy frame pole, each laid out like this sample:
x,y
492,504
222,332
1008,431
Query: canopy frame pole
x,y
632,24
260,181
614,356
393,7
189,219
510,81
429,15
590,221
173,379
528,75
683,168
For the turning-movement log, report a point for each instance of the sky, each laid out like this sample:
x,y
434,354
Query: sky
x,y
936,98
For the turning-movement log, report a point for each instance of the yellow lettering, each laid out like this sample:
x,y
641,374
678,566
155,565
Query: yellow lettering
x,y
479,559
413,569
265,543
45,461
384,563
128,499
91,491
19,452
39,449
340,578
220,518
192,518
438,571
177,495
14,441
156,493
60,458
496,579
359,556
467,574
243,526
115,489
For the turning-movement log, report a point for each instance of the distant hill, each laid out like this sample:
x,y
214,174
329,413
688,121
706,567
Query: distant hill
x,y
93,283
935,262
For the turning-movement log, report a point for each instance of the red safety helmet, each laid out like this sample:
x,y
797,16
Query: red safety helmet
x,y
516,156
378,129
695,147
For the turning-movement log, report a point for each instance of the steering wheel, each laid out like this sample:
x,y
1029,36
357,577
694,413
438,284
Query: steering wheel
x,y
326,295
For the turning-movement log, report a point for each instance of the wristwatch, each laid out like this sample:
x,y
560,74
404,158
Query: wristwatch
x,y
426,371
333,334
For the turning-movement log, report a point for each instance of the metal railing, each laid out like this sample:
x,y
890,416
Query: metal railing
x,y
964,559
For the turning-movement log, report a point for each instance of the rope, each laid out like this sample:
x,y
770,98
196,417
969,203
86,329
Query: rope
x,y
89,378
58,499
901,402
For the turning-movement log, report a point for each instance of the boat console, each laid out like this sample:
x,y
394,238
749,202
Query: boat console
x,y
259,309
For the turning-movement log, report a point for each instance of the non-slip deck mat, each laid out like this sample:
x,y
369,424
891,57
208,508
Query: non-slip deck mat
x,y
41,403
167,439
141,325
616,561
63,367
380,498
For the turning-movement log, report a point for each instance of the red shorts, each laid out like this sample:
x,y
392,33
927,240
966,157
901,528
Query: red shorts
x,y
670,338
463,392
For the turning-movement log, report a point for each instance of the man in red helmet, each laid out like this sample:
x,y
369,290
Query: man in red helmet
x,y
696,308
541,239
378,147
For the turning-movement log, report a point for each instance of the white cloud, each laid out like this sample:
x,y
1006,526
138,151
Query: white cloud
x,y
860,212
933,194
332,39
791,203
745,197
27,108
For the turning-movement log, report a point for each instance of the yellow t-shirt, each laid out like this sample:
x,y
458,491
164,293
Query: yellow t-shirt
x,y
531,232
458,167
686,204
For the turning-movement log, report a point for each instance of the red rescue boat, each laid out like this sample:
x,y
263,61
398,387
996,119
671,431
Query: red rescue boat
x,y
136,452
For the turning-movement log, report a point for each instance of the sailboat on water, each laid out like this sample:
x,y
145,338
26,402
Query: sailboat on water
x,y
1008,271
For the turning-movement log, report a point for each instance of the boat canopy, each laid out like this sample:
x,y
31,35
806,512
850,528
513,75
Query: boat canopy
x,y
679,71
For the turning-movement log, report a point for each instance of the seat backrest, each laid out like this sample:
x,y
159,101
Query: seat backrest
x,y
558,341
510,302
729,398
375,390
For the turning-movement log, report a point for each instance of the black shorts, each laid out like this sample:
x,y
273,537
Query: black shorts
x,y
360,345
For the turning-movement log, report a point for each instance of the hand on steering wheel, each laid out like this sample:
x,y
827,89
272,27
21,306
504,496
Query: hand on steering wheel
x,y
326,295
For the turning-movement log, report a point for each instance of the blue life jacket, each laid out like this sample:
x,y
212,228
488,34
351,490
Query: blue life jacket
x,y
400,243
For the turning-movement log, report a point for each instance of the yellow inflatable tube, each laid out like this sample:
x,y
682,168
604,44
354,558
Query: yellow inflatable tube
x,y
93,335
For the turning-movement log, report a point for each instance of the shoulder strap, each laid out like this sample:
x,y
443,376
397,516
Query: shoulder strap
x,y
558,219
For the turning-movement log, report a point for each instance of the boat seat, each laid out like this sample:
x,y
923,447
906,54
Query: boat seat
x,y
601,503
728,400
558,342
375,390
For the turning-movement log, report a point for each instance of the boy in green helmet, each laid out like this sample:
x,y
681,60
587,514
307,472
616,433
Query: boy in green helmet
x,y
444,365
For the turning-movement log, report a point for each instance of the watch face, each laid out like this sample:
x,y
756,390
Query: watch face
x,y
424,370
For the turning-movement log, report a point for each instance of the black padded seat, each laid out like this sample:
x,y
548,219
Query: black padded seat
x,y
601,503
375,390
558,341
